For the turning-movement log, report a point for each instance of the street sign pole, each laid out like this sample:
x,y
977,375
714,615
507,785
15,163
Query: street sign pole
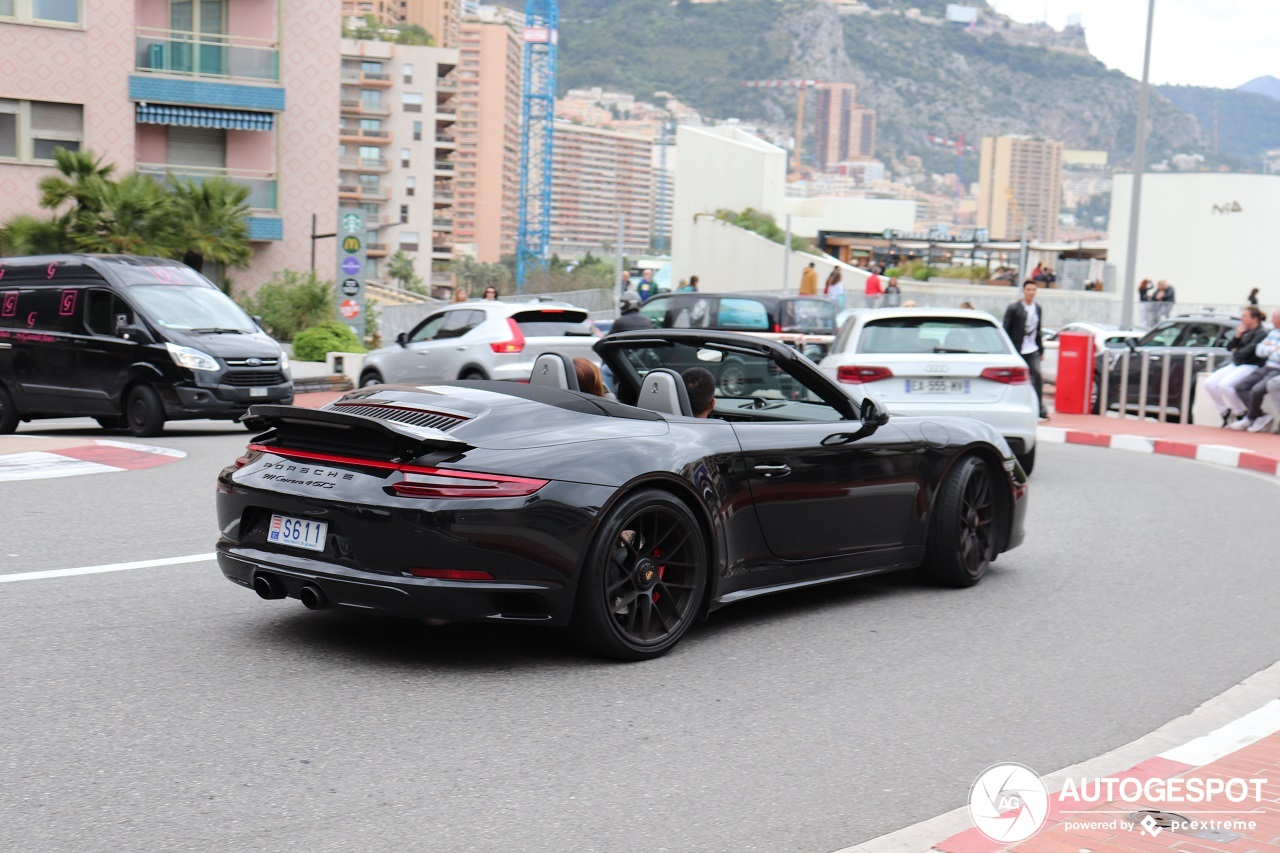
x,y
350,293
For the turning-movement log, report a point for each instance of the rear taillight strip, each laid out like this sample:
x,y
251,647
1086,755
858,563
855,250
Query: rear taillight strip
x,y
469,484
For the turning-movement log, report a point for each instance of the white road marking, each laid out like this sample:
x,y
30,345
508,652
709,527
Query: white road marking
x,y
1233,736
38,465
111,567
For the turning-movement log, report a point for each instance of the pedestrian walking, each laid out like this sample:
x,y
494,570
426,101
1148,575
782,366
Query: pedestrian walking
x,y
874,291
834,288
1022,325
809,281
460,294
1147,306
693,284
491,294
647,287
892,293
1220,385
1163,297
1253,296
624,282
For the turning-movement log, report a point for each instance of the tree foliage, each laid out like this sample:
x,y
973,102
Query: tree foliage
x,y
370,30
315,343
291,301
765,225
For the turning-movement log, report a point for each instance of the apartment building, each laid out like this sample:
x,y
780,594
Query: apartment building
x,y
488,172
846,131
245,89
1020,181
396,152
598,176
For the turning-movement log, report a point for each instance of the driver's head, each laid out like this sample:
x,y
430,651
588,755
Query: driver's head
x,y
701,386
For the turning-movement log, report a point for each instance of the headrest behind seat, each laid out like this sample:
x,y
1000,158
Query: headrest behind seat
x,y
663,391
554,370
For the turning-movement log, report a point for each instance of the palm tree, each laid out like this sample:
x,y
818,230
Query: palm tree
x,y
400,268
30,235
79,171
132,216
213,222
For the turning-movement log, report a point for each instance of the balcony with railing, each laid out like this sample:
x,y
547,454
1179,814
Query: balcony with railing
x,y
201,55
359,192
356,77
364,164
360,107
444,167
262,185
365,136
442,194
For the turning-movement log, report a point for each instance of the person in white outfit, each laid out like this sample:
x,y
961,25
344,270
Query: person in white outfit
x,y
1244,360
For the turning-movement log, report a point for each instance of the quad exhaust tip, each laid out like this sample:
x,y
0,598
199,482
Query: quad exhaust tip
x,y
268,586
312,597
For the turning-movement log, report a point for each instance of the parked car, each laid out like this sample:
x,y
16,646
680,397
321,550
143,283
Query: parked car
x,y
481,340
1202,337
130,341
939,361
807,323
1106,336
627,519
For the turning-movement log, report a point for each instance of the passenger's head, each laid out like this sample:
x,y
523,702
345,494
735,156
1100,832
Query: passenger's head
x,y
701,386
1253,316
589,379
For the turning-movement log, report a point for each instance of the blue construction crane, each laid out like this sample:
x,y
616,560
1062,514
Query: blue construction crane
x,y
537,133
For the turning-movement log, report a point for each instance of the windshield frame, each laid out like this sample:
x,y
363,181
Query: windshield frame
x,y
139,297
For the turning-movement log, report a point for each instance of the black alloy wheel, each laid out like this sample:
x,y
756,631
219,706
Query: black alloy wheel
x,y
732,381
644,578
370,377
963,540
144,412
8,412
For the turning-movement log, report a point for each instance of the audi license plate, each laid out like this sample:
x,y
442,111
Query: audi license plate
x,y
937,386
298,532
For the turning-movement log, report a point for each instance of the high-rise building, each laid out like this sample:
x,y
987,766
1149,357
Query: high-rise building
x,y
192,89
1020,182
488,175
441,18
598,176
846,131
385,12
396,151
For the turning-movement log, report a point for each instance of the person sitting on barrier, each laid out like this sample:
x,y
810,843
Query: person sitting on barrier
x,y
1244,360
1273,392
701,386
1253,388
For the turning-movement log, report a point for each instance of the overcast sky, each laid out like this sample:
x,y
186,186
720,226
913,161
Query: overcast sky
x,y
1220,43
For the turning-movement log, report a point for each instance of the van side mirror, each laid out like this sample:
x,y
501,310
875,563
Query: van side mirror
x,y
137,334
402,339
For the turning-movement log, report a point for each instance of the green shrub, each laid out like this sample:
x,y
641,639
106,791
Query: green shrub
x,y
893,272
315,343
291,301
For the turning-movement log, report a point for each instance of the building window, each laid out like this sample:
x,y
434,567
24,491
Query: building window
x,y
31,130
404,214
202,147
371,98
370,155
417,131
368,182
369,67
41,11
410,185
404,158
409,241
407,68
412,102
371,124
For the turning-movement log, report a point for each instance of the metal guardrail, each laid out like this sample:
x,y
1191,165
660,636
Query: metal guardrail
x,y
1192,365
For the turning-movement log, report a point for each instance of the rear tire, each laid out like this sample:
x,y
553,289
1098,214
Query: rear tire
x,y
643,578
370,377
1027,460
8,412
962,539
473,374
144,412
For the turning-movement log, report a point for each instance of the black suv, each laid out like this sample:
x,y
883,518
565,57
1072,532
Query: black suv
x,y
1199,340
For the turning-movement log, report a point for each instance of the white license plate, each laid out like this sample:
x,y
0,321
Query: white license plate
x,y
258,392
298,532
937,386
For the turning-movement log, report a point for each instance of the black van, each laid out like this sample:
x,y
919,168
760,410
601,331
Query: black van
x,y
131,342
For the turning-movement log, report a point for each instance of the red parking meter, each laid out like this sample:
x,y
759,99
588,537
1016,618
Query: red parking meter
x,y
1073,394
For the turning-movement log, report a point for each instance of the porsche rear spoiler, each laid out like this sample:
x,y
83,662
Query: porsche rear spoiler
x,y
329,431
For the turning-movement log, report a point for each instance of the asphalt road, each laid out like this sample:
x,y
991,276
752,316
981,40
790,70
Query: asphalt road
x,y
167,709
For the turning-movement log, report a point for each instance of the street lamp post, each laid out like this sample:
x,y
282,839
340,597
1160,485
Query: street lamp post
x,y
1139,165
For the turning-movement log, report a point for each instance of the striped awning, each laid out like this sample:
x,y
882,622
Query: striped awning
x,y
168,114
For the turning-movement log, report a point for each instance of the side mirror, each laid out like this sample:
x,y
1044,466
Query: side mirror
x,y
137,334
1130,344
402,339
872,413
873,417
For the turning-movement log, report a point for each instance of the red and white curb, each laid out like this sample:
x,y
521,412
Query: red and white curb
x,y
101,456
1218,744
1216,454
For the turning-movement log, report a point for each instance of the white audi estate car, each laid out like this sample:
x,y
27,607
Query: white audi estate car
x,y
939,361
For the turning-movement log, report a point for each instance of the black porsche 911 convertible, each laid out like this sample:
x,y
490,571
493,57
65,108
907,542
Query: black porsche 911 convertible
x,y
625,519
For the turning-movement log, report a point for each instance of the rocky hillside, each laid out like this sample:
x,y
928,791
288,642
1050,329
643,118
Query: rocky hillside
x,y
922,76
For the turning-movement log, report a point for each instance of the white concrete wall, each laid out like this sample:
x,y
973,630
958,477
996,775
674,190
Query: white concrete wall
x,y
721,168
1209,256
727,258
867,215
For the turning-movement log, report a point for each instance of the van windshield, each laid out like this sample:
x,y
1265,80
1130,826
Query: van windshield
x,y
190,308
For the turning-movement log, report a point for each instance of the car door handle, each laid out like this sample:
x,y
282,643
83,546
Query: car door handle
x,y
773,470
461,349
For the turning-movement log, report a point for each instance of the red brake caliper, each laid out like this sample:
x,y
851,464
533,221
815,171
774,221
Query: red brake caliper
x,y
657,552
